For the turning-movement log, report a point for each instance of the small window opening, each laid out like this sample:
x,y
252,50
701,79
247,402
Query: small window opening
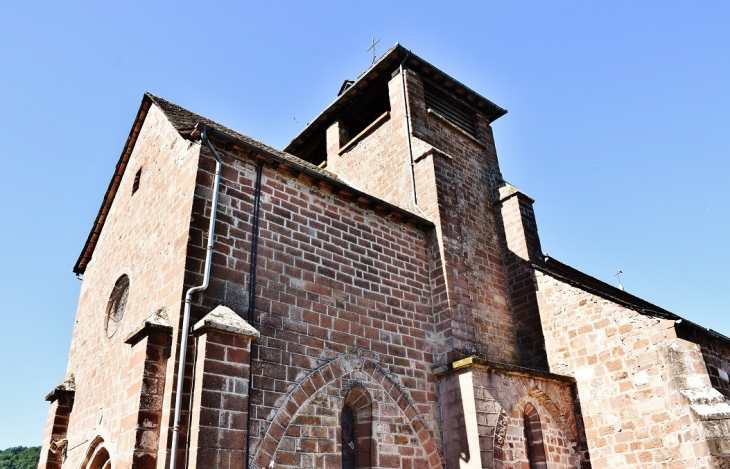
x,y
533,439
356,425
137,177
366,109
116,306
348,438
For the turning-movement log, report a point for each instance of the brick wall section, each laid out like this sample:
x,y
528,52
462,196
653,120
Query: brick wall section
x,y
333,278
140,427
313,438
473,312
220,402
709,407
312,411
634,415
56,429
145,236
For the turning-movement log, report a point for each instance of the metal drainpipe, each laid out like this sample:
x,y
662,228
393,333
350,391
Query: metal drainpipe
x,y
188,300
252,300
408,133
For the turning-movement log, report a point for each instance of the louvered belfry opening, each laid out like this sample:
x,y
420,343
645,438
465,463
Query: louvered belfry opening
x,y
533,439
368,107
449,107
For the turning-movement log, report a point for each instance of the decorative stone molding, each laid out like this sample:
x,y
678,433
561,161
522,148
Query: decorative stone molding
x,y
67,387
156,322
224,319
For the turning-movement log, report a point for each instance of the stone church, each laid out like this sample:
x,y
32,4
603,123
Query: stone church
x,y
373,296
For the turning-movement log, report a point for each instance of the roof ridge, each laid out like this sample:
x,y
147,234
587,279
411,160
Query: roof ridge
x,y
185,121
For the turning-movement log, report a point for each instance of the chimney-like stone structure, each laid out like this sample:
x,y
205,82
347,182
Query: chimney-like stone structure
x,y
522,250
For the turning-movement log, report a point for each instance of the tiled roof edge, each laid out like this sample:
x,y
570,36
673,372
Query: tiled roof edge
x,y
575,277
111,191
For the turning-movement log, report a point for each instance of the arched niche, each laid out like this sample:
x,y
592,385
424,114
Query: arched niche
x,y
535,446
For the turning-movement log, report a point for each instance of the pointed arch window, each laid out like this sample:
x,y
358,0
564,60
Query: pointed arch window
x,y
533,439
356,427
97,457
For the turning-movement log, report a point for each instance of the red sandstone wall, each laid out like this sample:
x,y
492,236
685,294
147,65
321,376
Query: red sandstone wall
x,y
313,438
145,237
334,280
521,247
457,190
631,374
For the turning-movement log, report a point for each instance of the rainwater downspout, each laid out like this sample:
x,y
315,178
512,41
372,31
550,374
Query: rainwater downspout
x,y
408,133
252,300
188,301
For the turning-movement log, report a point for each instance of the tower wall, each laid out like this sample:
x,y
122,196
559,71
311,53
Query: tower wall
x,y
454,178
377,162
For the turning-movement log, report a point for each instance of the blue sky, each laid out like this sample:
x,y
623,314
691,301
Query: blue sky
x,y
618,127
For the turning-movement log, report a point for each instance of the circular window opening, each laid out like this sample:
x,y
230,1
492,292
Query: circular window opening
x,y
117,305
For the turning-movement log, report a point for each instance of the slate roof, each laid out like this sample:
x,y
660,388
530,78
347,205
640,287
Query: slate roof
x,y
186,123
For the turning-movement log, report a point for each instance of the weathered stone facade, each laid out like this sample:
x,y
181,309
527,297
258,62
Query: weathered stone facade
x,y
377,297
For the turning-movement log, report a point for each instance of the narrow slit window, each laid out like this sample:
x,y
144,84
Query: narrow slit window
x,y
356,427
348,438
533,439
137,177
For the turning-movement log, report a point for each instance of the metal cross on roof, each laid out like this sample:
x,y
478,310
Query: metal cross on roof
x,y
373,48
618,275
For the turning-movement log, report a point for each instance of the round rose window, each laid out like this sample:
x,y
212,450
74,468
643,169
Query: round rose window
x,y
117,305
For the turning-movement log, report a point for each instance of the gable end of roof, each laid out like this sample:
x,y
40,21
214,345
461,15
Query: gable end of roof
x,y
85,256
